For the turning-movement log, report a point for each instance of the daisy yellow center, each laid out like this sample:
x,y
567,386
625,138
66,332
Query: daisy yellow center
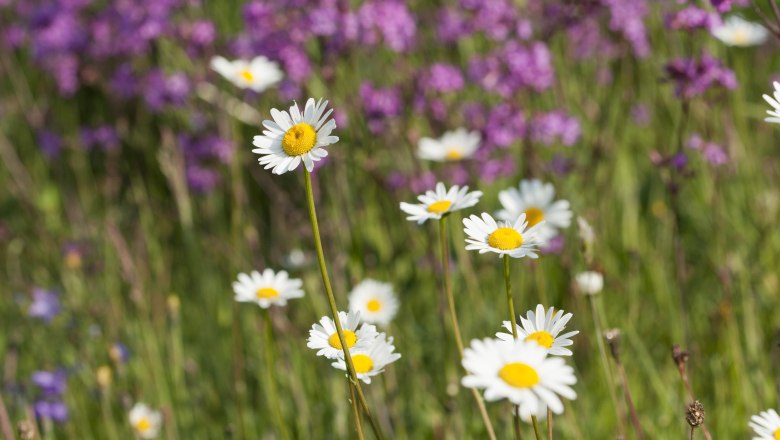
x,y
777,434
453,154
362,363
505,239
266,293
143,425
247,75
299,139
374,305
349,336
519,375
542,338
533,216
740,37
439,207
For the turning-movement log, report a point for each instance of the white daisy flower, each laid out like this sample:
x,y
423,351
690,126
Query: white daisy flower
x,y
521,372
774,101
323,336
535,199
258,74
375,301
544,329
453,145
590,282
294,137
435,204
267,289
766,425
370,360
503,238
736,31
145,421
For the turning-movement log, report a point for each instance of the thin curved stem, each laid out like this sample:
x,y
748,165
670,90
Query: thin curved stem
x,y
549,424
445,263
332,303
605,362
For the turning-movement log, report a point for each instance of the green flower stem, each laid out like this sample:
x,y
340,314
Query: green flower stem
x,y
605,362
535,422
511,306
445,264
356,412
332,303
273,393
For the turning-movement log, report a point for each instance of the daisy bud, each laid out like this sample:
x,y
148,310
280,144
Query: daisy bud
x,y
590,282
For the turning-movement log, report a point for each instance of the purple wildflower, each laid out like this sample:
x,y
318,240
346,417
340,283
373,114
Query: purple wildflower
x,y
555,126
104,137
380,104
49,143
45,305
692,18
441,77
694,77
389,20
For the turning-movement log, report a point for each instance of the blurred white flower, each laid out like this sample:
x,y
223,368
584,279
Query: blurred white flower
x,y
453,145
590,282
774,101
371,359
324,337
535,199
258,74
145,421
766,425
375,301
267,289
736,31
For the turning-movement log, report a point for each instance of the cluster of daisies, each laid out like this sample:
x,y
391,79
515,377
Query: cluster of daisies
x,y
526,365
371,303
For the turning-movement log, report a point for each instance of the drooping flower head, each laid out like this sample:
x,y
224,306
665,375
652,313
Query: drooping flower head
x,y
267,289
504,238
453,145
520,372
375,301
145,421
536,200
294,137
435,204
544,329
324,338
371,359
257,74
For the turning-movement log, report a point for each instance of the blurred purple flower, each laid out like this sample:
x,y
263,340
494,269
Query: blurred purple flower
x,y
713,153
505,125
693,77
725,5
641,114
51,383
380,104
423,182
104,137
561,165
441,77
554,246
49,143
555,126
692,18
119,353
514,67
452,25
626,17
45,305
54,409
200,179
390,20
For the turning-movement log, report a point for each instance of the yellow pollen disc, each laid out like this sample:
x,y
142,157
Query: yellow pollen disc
x,y
777,434
740,37
362,363
374,305
439,207
505,239
143,425
519,375
349,336
247,75
299,139
453,154
266,293
533,216
542,338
